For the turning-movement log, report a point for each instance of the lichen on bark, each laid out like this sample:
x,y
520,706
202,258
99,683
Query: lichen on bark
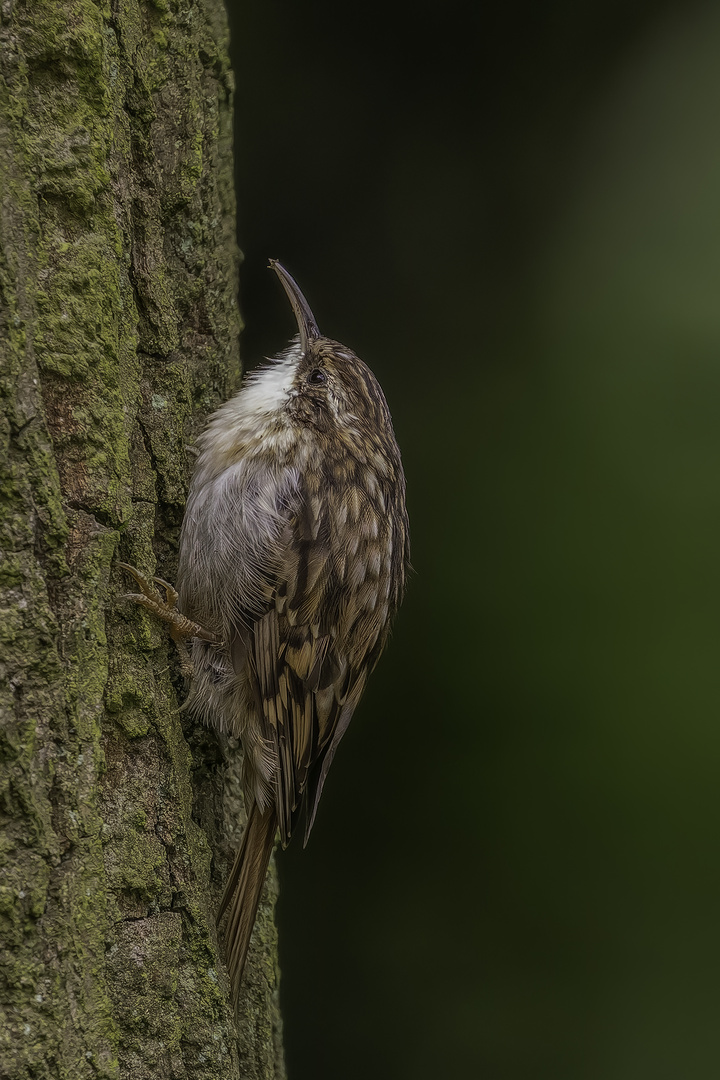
x,y
118,334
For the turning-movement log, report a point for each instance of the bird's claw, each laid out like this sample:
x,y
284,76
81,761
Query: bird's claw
x,y
149,597
147,589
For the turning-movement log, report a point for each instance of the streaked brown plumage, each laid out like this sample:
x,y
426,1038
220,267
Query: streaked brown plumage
x,y
293,555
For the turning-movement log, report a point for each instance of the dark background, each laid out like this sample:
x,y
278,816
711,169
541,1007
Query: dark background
x,y
511,211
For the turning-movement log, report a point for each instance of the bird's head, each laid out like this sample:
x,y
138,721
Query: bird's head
x,y
316,391
317,382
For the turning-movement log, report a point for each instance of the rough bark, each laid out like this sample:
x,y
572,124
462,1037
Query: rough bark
x,y
118,334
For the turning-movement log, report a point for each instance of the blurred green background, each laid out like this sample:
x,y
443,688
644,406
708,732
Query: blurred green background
x,y
511,211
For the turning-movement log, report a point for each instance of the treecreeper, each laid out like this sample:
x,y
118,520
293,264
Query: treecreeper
x,y
293,558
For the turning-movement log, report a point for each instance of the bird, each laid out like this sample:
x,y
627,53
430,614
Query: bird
x,y
293,559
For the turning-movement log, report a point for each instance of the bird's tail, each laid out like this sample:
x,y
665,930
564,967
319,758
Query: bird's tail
x,y
242,892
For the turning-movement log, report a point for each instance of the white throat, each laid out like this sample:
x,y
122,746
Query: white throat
x,y
268,388
253,416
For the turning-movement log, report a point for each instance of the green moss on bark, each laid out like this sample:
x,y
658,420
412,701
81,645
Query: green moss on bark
x,y
118,333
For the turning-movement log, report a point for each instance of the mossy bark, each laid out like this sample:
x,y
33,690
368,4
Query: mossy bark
x,y
118,334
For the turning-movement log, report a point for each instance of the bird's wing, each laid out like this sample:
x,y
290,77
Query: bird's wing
x,y
308,657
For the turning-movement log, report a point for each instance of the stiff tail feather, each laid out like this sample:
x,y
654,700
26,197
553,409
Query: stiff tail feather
x,y
243,889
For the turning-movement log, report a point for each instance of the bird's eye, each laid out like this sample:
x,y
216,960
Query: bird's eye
x,y
317,377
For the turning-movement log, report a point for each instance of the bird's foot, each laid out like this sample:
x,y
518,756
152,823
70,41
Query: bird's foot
x,y
181,627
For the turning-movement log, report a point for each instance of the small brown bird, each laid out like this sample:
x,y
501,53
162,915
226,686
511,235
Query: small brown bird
x,y
293,556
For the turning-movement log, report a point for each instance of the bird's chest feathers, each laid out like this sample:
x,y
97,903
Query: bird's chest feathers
x,y
255,499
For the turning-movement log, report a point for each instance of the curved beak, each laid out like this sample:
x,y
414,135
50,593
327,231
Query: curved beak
x,y
305,319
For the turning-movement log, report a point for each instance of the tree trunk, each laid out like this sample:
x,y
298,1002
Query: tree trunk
x,y
118,334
